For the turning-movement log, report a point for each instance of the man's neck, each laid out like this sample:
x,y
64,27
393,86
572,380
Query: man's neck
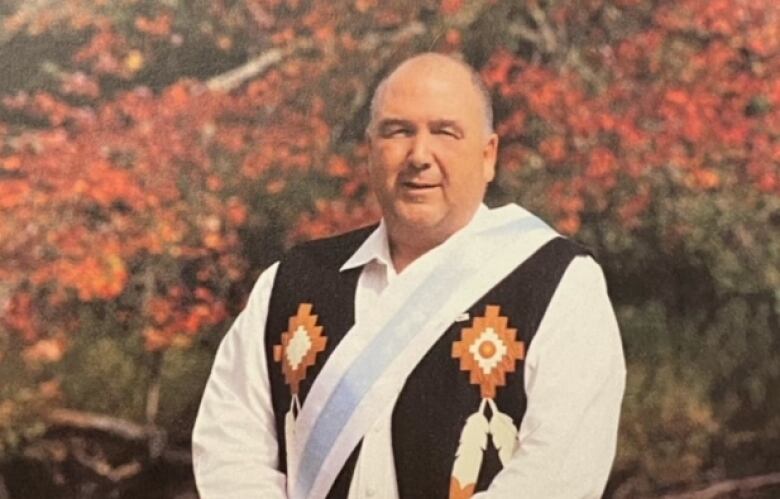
x,y
404,253
407,244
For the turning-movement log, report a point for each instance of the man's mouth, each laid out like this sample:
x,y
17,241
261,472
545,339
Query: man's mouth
x,y
417,185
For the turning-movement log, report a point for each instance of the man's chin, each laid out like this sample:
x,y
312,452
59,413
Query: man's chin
x,y
419,217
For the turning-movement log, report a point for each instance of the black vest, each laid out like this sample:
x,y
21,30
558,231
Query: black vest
x,y
437,397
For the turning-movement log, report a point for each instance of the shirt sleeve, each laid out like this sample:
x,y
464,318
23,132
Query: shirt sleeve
x,y
234,442
574,382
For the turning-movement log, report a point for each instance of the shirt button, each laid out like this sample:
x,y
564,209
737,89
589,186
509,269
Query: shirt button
x,y
376,429
370,492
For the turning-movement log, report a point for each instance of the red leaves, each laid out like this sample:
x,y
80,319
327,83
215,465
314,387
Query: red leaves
x,y
553,149
176,318
18,316
705,109
158,26
165,177
80,84
333,217
450,7
13,193
101,276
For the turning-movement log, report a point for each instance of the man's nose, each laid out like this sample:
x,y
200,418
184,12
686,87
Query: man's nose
x,y
421,155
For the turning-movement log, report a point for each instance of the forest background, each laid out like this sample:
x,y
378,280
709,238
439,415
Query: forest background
x,y
156,156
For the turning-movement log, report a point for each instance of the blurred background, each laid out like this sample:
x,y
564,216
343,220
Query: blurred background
x,y
156,156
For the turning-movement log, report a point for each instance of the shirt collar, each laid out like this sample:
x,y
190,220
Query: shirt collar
x,y
377,246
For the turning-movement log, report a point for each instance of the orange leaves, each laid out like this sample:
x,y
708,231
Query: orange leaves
x,y
658,101
601,165
163,170
80,84
178,316
177,97
553,148
158,26
105,184
102,276
497,70
338,167
513,126
363,6
159,310
705,179
45,351
11,163
236,211
13,193
450,7
103,52
332,217
18,315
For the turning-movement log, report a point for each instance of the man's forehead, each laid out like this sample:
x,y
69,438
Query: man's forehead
x,y
433,68
428,83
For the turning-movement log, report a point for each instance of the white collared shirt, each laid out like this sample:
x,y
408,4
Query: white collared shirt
x,y
574,381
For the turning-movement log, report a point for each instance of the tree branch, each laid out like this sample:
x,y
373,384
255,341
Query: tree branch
x,y
526,33
100,466
229,80
545,30
235,77
729,486
117,427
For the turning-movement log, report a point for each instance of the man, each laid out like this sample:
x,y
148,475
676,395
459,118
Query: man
x,y
450,350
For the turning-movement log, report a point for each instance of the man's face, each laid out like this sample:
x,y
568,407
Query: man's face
x,y
431,157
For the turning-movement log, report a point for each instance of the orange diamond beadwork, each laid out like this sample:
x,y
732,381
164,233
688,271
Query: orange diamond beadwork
x,y
300,345
488,350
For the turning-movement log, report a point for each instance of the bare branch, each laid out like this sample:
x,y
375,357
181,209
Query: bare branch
x,y
729,486
99,465
545,30
524,32
121,428
235,77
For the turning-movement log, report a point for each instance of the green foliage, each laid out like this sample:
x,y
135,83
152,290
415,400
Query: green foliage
x,y
20,401
184,376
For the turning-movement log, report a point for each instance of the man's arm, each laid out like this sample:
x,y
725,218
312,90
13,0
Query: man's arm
x,y
575,377
234,443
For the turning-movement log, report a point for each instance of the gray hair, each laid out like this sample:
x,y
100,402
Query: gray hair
x,y
476,80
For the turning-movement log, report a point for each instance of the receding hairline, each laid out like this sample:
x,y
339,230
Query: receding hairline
x,y
476,81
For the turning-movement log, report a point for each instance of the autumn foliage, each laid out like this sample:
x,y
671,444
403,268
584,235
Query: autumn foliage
x,y
156,156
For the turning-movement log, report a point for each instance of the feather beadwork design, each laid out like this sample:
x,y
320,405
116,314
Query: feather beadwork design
x,y
289,436
504,433
468,457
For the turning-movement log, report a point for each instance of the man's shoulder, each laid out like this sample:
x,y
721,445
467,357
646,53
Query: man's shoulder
x,y
332,250
346,239
564,247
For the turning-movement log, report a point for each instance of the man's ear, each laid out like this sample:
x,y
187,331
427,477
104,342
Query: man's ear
x,y
489,157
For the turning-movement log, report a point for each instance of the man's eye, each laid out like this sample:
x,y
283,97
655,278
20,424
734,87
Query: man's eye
x,y
397,132
449,132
